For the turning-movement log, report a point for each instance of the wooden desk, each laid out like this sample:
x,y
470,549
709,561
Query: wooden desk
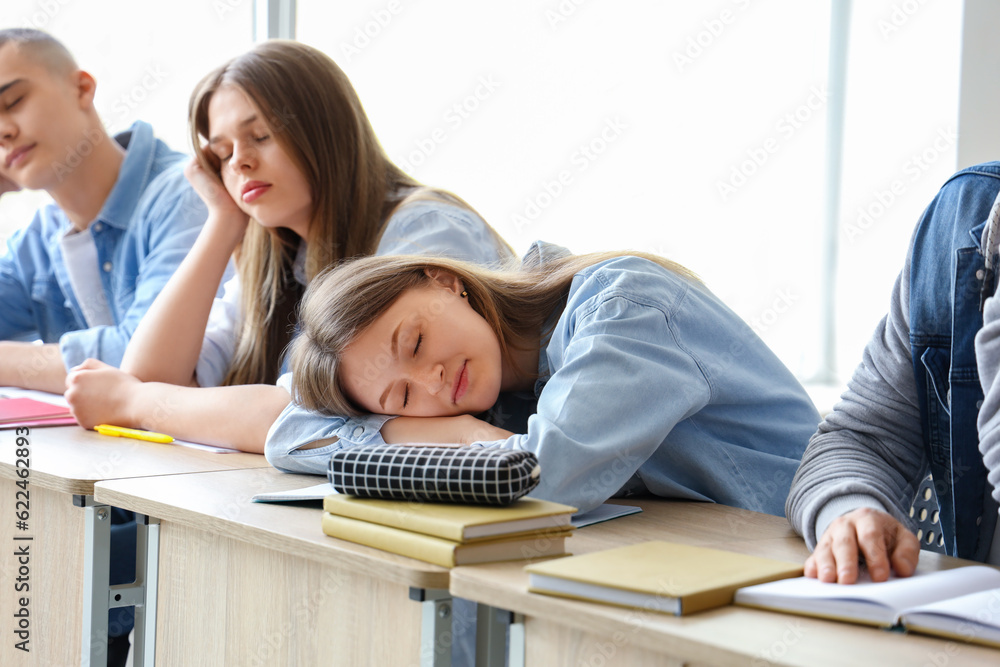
x,y
552,631
244,583
65,463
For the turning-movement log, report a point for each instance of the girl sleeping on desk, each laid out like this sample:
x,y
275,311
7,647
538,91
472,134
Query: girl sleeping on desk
x,y
636,377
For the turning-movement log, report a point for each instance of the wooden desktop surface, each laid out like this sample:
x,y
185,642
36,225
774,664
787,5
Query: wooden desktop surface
x,y
569,632
70,459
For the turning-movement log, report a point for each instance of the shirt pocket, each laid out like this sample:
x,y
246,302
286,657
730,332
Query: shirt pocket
x,y
937,367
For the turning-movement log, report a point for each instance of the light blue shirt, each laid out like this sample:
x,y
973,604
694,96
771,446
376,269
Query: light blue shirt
x,y
423,227
647,384
146,227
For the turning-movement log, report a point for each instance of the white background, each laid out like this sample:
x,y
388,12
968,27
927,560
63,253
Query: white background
x,y
495,101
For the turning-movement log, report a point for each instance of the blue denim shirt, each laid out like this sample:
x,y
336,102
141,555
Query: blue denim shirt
x,y
147,225
648,383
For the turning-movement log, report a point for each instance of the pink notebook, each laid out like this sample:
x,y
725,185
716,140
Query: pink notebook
x,y
17,412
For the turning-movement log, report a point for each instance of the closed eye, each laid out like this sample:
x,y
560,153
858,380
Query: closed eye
x,y
406,395
14,103
420,339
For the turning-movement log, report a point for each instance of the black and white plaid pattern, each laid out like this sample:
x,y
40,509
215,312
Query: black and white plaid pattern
x,y
468,475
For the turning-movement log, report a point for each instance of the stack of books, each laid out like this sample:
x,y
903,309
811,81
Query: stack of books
x,y
450,535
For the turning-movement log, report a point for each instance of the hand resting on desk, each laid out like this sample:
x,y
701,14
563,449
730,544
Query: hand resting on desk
x,y
881,540
99,394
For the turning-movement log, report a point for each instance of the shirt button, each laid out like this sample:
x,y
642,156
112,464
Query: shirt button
x,y
107,267
359,431
979,520
98,226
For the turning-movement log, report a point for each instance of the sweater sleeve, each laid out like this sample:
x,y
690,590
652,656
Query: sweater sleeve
x,y
988,360
868,451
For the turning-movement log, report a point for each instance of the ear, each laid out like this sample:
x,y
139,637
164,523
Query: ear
x,y
86,87
444,278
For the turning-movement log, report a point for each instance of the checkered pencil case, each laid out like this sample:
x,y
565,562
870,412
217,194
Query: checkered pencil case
x,y
468,475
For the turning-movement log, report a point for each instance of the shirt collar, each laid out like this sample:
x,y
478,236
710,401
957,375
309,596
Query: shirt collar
x,y
133,176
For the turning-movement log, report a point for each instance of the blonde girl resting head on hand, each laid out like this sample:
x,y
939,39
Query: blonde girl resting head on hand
x,y
295,180
640,380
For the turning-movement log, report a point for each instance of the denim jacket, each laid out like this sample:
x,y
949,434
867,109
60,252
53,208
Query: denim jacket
x,y
649,384
942,341
912,404
146,227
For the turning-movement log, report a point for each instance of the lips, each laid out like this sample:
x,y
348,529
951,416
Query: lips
x,y
461,383
253,189
15,157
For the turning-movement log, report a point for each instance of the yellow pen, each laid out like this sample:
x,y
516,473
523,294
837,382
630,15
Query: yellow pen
x,y
122,432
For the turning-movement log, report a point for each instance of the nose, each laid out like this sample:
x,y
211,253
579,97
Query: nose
x,y
244,156
8,129
431,378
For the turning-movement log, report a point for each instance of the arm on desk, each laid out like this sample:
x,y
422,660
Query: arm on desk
x,y
237,417
462,429
32,366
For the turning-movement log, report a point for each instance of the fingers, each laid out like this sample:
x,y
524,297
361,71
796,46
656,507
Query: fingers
x,y
844,568
874,542
91,364
884,543
907,552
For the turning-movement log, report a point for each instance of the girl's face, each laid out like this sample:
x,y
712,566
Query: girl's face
x,y
258,173
429,355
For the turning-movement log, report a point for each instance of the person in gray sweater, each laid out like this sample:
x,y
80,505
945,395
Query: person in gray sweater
x,y
924,398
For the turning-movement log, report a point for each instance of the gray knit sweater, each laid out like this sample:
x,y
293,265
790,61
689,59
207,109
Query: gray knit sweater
x,y
868,452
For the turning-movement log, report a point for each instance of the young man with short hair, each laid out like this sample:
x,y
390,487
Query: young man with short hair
x,y
83,272
81,275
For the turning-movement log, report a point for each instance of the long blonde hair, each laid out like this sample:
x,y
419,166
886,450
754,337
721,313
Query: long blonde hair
x,y
315,114
345,300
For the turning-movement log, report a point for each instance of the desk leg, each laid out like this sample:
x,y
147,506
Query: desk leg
x,y
142,594
517,645
435,626
99,597
491,635
96,567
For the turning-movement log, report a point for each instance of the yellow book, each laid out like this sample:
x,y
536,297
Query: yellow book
x,y
661,576
459,523
446,553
